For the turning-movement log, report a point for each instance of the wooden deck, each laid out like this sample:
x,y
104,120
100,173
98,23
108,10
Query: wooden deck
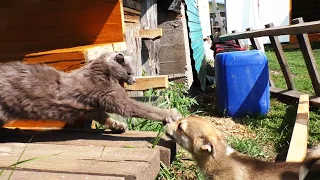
x,y
83,154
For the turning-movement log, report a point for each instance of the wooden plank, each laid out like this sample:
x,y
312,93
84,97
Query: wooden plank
x,y
150,48
144,163
238,41
275,43
130,18
309,58
150,33
299,140
293,95
69,59
307,27
134,44
256,45
132,4
129,10
148,82
218,17
37,26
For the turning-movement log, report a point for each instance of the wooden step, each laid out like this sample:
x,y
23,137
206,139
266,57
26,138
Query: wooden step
x,y
84,161
95,138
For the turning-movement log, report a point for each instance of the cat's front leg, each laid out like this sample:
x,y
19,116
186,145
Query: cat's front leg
x,y
128,107
115,126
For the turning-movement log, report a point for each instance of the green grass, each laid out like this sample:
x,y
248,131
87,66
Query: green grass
x,y
272,131
297,67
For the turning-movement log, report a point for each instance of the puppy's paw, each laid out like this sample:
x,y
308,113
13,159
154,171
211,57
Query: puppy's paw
x,y
118,127
174,115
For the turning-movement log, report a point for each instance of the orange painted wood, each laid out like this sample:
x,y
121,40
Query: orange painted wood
x,y
42,25
312,38
32,124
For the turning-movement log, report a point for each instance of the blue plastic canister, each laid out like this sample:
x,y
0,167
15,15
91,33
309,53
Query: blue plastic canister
x,y
242,83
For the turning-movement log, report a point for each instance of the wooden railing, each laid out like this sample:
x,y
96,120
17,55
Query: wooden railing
x,y
301,30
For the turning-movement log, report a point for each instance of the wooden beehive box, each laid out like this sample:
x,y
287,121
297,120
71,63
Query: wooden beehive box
x,y
57,33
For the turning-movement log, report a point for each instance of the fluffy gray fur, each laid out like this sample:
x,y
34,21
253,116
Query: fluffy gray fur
x,y
42,92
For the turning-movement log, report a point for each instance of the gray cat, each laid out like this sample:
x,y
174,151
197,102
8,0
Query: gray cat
x,y
42,92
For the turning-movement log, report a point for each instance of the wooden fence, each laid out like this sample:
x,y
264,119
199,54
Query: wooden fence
x,y
301,30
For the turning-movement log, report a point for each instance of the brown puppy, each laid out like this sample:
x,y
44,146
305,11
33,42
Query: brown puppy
x,y
219,161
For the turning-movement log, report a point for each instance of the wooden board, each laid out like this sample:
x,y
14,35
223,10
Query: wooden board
x,y
150,33
293,95
148,82
35,26
308,27
299,140
69,59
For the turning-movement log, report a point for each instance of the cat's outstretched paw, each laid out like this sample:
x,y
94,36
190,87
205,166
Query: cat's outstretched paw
x,y
174,115
116,126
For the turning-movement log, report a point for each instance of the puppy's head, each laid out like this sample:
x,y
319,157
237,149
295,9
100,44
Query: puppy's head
x,y
197,135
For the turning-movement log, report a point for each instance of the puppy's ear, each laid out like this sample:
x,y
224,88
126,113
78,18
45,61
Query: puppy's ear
x,y
119,58
205,147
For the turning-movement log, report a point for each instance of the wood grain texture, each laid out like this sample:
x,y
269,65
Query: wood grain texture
x,y
148,82
299,139
307,27
309,58
36,26
276,45
69,59
150,33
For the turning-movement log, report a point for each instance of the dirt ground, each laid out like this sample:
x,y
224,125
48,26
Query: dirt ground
x,y
229,127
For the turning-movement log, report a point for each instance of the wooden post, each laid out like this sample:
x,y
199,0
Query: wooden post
x,y
256,45
309,59
219,18
134,50
150,47
299,139
281,59
238,41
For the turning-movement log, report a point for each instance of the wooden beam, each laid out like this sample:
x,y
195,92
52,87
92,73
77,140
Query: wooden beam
x,y
148,82
256,45
238,41
299,140
309,58
132,19
68,59
276,45
150,33
293,95
129,10
150,47
307,27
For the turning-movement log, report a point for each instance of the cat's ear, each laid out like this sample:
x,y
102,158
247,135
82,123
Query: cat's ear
x,y
119,58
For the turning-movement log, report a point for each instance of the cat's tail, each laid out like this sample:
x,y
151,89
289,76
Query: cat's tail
x,y
312,157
